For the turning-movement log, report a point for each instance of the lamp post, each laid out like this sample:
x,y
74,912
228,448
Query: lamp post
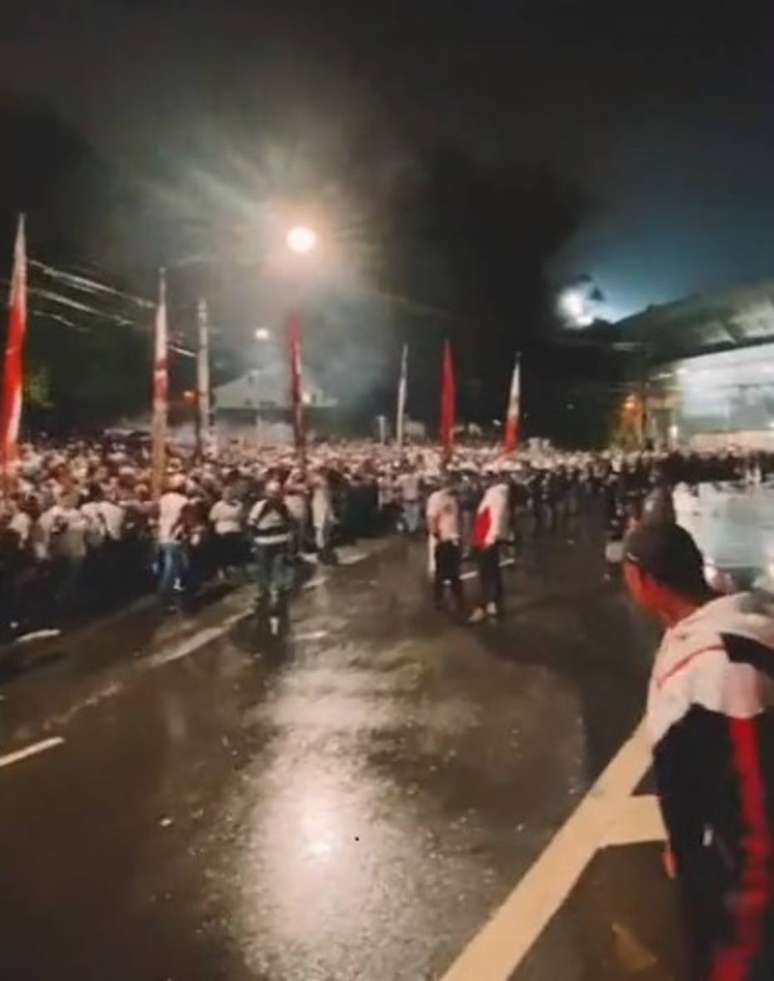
x,y
301,241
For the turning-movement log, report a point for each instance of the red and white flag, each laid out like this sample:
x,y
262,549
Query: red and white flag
x,y
511,437
10,412
447,403
160,390
296,384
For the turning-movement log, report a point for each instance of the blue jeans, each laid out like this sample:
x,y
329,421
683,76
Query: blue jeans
x,y
411,514
273,571
174,566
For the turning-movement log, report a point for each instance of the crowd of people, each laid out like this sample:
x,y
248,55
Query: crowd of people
x,y
79,529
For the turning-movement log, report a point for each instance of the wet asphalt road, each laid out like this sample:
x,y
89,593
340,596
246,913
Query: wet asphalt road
x,y
349,804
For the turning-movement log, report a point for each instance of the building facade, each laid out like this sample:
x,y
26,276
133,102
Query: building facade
x,y
701,370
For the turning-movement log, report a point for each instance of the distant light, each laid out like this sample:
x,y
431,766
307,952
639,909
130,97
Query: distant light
x,y
189,395
682,371
301,239
573,304
262,334
674,431
306,398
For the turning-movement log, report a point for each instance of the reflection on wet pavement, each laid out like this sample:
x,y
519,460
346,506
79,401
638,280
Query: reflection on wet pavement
x,y
350,805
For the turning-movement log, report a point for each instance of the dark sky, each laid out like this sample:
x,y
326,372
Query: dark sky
x,y
664,112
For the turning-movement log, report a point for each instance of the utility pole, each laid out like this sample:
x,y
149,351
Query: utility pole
x,y
204,422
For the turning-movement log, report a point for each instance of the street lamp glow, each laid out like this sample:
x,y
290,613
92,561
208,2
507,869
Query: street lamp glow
x,y
301,239
262,334
573,305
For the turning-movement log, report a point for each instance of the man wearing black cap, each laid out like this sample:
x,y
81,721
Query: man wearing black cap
x,y
711,721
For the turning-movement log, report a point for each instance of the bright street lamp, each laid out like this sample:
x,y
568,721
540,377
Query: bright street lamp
x,y
262,334
301,239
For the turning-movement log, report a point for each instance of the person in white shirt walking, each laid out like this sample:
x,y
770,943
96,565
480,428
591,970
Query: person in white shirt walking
x,y
172,554
443,523
227,519
409,487
272,528
490,530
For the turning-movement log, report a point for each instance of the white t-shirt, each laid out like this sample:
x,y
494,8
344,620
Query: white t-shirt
x,y
21,523
226,517
409,487
171,507
64,531
443,516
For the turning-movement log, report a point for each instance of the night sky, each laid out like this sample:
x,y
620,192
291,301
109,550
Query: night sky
x,y
662,111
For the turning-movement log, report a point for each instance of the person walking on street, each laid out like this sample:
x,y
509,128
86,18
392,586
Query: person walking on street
x,y
226,517
490,530
173,559
443,523
272,526
322,516
409,486
710,717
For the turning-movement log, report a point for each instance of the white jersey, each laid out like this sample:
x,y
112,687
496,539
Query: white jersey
x,y
171,507
443,516
226,517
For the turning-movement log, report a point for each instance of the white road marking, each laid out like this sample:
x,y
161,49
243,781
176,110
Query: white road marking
x,y
351,558
639,821
317,581
499,948
33,750
38,635
472,573
200,639
312,635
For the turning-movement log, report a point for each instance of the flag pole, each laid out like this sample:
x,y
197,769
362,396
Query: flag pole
x,y
447,404
402,385
204,433
160,392
11,409
296,388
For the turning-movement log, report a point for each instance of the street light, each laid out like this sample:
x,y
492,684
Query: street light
x,y
301,239
262,334
573,303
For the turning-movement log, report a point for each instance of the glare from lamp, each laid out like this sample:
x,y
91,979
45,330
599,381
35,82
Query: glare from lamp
x,y
301,239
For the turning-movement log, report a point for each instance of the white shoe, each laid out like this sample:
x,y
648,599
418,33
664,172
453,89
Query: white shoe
x,y
491,609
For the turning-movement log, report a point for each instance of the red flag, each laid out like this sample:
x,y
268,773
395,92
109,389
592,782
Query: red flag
x,y
296,391
10,412
511,440
447,402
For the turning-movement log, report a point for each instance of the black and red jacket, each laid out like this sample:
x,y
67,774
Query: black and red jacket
x,y
711,720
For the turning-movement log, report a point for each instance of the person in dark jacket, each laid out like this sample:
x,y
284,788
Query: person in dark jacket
x,y
711,722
